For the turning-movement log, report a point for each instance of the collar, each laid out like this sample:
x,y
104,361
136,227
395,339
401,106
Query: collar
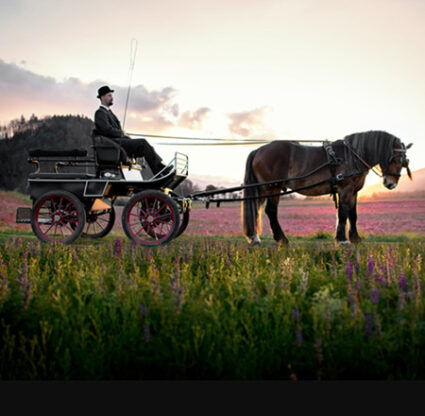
x,y
106,108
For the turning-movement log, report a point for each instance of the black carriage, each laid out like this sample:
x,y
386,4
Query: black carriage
x,y
73,194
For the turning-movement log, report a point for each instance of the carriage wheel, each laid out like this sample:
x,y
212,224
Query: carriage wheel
x,y
99,224
184,221
58,216
151,218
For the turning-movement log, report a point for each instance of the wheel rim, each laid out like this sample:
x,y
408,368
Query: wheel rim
x,y
57,218
150,219
97,223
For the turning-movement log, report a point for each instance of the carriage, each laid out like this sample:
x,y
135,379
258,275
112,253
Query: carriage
x,y
75,193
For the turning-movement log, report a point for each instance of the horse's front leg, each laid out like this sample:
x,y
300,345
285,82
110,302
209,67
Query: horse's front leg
x,y
343,210
352,216
271,211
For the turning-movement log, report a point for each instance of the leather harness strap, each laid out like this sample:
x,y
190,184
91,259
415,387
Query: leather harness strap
x,y
333,162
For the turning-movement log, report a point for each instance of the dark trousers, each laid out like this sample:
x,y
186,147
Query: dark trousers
x,y
141,148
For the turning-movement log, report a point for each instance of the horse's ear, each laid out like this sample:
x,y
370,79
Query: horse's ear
x,y
409,146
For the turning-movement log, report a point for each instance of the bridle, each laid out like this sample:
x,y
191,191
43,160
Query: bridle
x,y
403,160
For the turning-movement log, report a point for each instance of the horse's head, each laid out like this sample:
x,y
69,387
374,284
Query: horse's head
x,y
397,161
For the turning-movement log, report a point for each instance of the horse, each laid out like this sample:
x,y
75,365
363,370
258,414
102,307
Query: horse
x,y
338,168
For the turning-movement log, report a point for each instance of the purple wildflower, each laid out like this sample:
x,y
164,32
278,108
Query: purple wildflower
x,y
357,266
402,282
117,247
358,282
350,268
375,296
370,266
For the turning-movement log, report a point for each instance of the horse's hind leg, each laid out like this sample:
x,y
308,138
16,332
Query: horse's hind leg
x,y
271,211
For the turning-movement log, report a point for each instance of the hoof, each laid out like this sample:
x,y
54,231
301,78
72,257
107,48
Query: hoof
x,y
255,241
355,240
283,242
343,242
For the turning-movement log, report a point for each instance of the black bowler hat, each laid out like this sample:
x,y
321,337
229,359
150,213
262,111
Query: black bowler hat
x,y
103,90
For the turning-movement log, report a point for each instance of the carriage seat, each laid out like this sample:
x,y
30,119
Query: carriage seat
x,y
57,153
107,151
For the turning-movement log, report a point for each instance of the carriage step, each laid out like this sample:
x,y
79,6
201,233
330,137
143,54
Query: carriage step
x,y
23,215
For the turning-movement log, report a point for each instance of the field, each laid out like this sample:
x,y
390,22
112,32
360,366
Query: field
x,y
208,306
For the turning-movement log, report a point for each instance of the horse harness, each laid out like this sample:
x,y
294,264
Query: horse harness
x,y
333,162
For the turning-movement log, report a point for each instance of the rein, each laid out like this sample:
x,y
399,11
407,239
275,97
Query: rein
x,y
375,171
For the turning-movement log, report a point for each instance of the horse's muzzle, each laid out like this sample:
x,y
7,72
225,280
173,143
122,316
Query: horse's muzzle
x,y
388,183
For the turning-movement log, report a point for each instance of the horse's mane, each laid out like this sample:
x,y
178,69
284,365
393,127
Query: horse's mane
x,y
373,147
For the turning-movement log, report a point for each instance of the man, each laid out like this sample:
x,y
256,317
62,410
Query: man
x,y
108,125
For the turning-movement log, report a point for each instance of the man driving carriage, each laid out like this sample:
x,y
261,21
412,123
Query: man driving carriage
x,y
108,125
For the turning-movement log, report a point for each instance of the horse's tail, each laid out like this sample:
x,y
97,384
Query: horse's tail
x,y
250,222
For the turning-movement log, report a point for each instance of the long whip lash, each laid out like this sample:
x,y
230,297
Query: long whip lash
x,y
133,51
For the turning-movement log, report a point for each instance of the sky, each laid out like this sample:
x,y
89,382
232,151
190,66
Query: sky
x,y
288,69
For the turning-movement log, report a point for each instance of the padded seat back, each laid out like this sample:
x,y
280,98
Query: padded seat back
x,y
107,151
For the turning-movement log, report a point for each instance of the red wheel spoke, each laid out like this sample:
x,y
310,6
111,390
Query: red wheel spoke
x,y
156,235
69,228
160,209
45,232
133,224
147,205
67,206
164,222
53,204
54,232
164,216
140,229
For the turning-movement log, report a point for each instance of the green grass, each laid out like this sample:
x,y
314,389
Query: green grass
x,y
212,308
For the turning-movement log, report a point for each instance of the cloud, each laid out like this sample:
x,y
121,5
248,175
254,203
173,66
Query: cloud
x,y
250,123
25,92
193,120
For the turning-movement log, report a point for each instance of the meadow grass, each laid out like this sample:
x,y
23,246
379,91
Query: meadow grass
x,y
212,308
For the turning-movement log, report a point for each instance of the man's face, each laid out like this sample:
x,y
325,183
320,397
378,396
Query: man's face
x,y
107,99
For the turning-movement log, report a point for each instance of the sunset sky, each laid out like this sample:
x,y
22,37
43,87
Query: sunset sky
x,y
294,69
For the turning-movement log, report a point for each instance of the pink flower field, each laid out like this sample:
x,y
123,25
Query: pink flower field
x,y
297,217
310,217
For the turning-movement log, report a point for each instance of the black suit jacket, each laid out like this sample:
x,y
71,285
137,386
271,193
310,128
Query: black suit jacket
x,y
107,123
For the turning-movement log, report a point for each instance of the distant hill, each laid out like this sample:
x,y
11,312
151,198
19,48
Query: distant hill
x,y
405,185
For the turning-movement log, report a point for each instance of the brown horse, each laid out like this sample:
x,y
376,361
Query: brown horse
x,y
340,170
